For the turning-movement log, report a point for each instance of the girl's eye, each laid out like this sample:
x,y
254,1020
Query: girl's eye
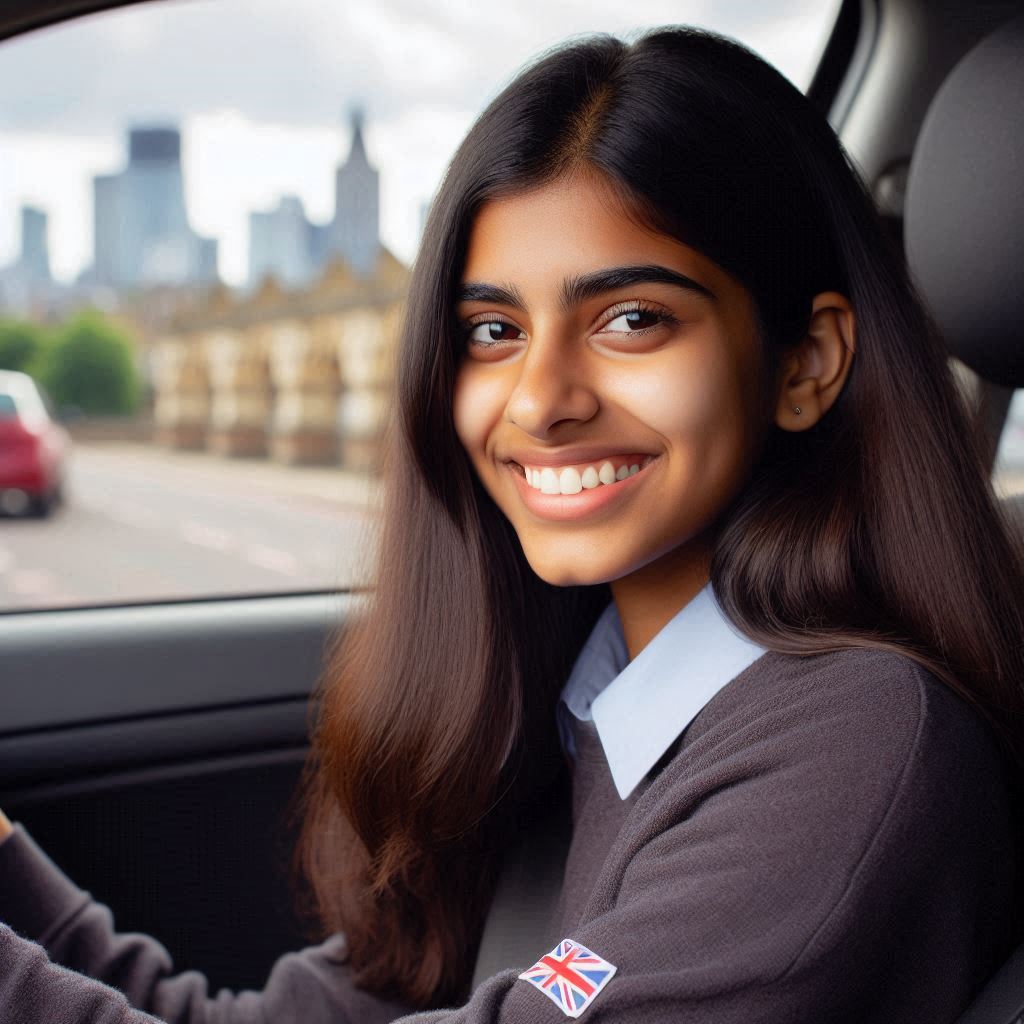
x,y
629,318
488,332
637,319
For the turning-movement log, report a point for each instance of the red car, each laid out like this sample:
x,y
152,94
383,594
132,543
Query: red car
x,y
33,447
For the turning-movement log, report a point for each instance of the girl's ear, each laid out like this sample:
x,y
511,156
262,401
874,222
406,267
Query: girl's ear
x,y
813,371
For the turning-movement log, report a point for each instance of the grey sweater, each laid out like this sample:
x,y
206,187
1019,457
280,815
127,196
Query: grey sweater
x,y
828,841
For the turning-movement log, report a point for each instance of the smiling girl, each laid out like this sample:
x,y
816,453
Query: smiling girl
x,y
687,545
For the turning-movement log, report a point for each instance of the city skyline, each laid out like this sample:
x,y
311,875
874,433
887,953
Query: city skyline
x,y
320,215
260,91
142,233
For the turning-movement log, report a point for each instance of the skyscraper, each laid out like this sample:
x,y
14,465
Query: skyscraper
x,y
28,282
142,235
279,244
35,250
106,217
355,231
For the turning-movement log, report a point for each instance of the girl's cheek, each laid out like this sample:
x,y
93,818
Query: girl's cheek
x,y
671,399
477,408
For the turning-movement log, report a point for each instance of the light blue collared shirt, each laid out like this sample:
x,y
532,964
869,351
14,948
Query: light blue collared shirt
x,y
639,707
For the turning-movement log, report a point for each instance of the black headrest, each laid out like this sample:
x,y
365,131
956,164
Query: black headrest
x,y
964,212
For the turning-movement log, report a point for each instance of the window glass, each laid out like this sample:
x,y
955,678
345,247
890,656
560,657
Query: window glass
x,y
207,216
1008,472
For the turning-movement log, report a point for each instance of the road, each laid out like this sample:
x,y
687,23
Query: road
x,y
143,524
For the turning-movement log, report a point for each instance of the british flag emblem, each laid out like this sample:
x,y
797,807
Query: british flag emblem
x,y
570,976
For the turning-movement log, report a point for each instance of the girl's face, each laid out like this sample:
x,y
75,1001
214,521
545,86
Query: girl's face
x,y
591,347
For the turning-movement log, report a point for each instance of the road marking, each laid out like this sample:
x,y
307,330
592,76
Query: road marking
x,y
272,558
206,536
132,514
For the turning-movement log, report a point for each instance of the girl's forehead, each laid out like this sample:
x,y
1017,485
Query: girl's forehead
x,y
572,198
571,226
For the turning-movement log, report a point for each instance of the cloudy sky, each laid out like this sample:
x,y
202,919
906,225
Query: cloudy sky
x,y
262,89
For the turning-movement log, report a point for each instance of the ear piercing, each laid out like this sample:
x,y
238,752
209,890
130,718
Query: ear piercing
x,y
796,409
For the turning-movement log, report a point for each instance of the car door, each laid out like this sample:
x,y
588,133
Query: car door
x,y
153,752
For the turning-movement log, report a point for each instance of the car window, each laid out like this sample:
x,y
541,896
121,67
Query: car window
x,y
1008,472
207,219
8,410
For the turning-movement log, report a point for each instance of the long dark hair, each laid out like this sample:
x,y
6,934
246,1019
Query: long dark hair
x,y
876,527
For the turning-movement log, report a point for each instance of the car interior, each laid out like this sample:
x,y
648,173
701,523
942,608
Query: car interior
x,y
153,750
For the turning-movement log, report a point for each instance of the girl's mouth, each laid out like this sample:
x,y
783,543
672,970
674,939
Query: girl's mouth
x,y
567,493
586,476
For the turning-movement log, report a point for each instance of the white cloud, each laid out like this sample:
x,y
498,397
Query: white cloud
x,y
262,88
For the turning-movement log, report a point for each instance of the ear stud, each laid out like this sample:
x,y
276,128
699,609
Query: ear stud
x,y
796,409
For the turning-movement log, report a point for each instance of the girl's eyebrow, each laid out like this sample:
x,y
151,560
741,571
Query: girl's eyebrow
x,y
578,289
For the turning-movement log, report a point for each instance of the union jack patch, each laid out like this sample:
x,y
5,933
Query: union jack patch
x,y
570,976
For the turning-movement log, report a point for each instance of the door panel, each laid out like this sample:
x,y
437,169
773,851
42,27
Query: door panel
x,y
63,667
163,780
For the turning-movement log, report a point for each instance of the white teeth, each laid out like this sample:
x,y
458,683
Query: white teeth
x,y
549,481
569,481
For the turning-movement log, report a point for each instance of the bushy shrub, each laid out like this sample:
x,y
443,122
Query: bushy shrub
x,y
90,364
21,345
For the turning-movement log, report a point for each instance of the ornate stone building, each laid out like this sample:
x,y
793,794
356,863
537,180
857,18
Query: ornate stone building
x,y
296,376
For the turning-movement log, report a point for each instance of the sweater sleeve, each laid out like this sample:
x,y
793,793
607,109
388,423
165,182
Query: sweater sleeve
x,y
53,933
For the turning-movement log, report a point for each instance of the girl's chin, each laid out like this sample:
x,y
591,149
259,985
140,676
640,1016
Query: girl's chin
x,y
559,573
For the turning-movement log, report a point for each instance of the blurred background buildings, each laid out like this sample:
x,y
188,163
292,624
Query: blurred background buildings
x,y
294,365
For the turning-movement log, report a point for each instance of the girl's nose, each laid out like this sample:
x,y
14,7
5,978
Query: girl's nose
x,y
553,385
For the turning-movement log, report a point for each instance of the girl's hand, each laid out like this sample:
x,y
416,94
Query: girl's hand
x,y
5,827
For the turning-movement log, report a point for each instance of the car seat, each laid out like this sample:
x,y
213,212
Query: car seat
x,y
964,236
964,216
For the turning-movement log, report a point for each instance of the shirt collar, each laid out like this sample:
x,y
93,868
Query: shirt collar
x,y
639,707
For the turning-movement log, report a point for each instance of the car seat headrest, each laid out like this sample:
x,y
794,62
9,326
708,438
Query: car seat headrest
x,y
964,212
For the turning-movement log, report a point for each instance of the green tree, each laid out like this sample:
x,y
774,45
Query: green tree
x,y
21,345
90,364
